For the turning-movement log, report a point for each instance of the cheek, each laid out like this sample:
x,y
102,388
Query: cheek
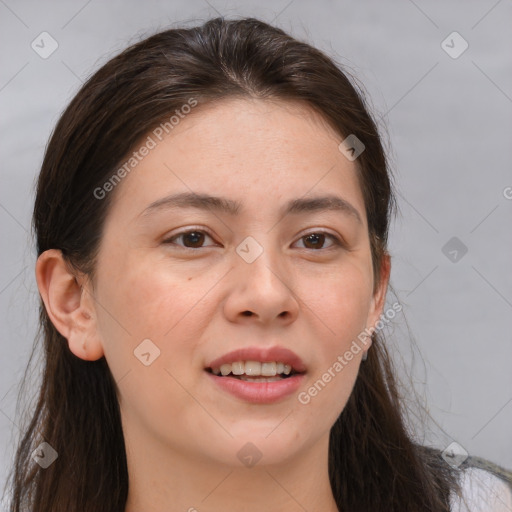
x,y
141,303
341,299
146,300
341,305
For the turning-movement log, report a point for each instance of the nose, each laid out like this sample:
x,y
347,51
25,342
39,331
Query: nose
x,y
261,292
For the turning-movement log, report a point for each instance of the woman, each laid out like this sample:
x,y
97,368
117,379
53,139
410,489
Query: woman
x,y
211,220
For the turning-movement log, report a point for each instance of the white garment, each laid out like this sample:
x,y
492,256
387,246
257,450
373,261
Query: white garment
x,y
482,492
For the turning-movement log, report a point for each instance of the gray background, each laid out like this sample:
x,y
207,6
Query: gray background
x,y
449,122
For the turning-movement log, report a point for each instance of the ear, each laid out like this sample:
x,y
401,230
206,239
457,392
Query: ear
x,y
379,295
69,304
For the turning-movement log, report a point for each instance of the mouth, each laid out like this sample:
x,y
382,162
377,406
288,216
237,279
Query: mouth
x,y
256,375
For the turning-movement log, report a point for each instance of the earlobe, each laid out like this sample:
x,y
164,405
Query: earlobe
x,y
68,304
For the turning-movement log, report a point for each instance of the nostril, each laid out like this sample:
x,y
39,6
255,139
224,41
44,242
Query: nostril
x,y
247,313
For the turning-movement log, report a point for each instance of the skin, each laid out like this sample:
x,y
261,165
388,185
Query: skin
x,y
182,433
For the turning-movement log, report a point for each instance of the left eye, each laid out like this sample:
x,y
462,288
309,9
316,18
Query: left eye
x,y
317,239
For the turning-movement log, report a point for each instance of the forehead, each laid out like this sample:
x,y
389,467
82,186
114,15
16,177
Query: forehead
x,y
250,150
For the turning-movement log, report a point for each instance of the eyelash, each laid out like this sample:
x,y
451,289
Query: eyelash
x,y
336,241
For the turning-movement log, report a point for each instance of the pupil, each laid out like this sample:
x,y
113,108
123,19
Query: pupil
x,y
196,237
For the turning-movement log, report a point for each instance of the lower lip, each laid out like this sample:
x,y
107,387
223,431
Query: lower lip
x,y
259,392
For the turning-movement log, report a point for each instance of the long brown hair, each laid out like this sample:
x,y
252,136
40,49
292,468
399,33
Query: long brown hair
x,y
373,462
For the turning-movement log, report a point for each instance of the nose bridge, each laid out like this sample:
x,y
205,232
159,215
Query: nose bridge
x,y
260,261
261,280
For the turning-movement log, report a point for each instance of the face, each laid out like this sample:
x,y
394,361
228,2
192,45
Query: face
x,y
200,279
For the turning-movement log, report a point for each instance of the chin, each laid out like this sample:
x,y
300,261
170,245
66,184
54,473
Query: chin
x,y
256,444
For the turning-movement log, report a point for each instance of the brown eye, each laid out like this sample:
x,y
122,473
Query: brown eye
x,y
317,240
193,239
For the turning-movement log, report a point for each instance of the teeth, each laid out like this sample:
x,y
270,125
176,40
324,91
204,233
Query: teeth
x,y
268,369
238,368
225,369
254,369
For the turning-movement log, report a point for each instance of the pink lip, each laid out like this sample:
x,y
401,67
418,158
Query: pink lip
x,y
259,392
277,354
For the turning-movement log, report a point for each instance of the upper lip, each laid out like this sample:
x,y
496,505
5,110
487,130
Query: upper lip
x,y
277,354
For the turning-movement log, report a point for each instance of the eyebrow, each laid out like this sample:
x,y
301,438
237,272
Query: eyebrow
x,y
232,207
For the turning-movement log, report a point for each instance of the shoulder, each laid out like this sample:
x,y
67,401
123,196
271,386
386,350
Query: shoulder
x,y
482,491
